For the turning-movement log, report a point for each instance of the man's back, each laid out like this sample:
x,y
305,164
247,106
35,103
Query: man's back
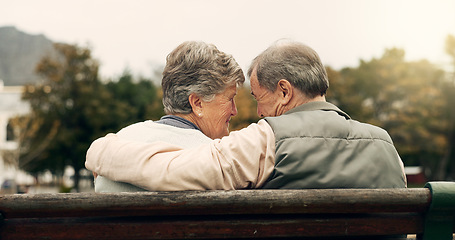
x,y
319,146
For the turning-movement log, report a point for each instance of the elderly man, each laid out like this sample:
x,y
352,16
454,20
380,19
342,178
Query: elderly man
x,y
302,142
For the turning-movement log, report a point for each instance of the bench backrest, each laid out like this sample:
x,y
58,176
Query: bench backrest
x,y
231,214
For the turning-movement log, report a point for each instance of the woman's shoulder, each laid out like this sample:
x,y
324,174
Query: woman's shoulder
x,y
149,131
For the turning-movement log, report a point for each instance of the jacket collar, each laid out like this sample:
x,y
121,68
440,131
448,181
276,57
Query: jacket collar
x,y
318,105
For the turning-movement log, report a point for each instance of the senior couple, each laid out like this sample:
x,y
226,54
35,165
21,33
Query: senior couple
x,y
301,142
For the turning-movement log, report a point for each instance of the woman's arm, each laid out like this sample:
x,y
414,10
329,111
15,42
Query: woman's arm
x,y
244,159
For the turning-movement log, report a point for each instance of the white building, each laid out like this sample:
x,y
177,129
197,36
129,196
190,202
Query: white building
x,y
11,105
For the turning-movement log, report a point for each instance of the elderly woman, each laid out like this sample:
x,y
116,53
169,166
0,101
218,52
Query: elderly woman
x,y
199,84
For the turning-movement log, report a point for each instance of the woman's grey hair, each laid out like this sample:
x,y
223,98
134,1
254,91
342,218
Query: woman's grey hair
x,y
293,61
199,68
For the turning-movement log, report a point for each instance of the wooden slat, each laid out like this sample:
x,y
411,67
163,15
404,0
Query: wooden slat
x,y
213,227
216,203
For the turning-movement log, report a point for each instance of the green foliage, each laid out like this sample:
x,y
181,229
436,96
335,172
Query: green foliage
x,y
447,165
71,108
142,97
246,109
58,103
64,189
405,98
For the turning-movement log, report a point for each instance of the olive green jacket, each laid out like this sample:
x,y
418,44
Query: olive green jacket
x,y
320,146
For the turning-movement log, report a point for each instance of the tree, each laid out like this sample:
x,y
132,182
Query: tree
x,y
70,108
403,97
143,97
447,167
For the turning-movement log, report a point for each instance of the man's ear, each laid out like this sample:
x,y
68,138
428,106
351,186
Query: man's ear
x,y
196,104
286,91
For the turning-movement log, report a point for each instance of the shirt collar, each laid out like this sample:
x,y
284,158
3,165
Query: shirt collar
x,y
318,105
176,121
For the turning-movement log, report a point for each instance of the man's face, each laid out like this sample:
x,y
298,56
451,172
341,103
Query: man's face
x,y
267,102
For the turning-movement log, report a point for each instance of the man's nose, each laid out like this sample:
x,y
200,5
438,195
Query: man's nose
x,y
259,113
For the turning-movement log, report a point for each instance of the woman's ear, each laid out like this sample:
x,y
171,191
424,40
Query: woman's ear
x,y
286,91
196,104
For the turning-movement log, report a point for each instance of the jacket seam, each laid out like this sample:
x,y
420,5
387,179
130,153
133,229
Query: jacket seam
x,y
335,138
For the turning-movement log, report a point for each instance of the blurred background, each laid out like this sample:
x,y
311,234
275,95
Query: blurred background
x,y
72,71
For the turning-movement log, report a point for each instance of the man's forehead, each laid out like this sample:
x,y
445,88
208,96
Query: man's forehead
x,y
257,91
253,84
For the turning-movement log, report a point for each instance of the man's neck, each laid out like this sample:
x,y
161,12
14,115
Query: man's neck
x,y
302,99
316,99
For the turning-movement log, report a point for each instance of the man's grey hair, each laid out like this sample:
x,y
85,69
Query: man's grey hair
x,y
199,68
293,61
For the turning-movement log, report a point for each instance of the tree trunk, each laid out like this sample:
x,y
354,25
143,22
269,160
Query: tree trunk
x,y
77,177
441,173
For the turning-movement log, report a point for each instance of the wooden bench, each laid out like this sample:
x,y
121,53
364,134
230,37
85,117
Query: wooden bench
x,y
317,213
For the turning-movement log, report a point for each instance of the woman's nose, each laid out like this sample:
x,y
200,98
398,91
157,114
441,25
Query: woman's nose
x,y
234,109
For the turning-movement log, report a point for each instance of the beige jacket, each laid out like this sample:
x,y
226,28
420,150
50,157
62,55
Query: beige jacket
x,y
150,131
244,159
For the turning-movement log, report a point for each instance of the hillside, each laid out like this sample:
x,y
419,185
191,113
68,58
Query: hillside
x,y
19,54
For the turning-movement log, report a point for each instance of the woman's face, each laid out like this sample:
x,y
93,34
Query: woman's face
x,y
216,114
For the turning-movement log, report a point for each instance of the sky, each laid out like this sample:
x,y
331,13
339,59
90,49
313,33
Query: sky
x,y
138,34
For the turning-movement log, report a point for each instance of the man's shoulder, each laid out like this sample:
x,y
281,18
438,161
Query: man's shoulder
x,y
328,123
